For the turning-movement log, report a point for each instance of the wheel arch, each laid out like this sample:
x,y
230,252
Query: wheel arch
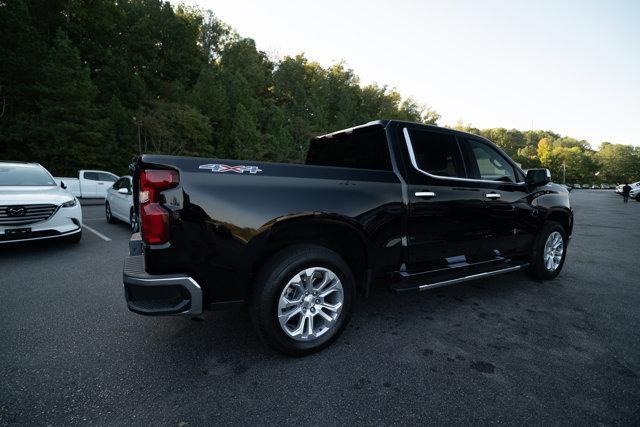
x,y
563,216
337,234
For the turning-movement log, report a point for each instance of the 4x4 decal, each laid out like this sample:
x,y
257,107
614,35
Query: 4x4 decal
x,y
215,167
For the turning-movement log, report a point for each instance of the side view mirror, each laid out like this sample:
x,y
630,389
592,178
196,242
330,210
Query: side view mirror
x,y
63,185
536,177
123,190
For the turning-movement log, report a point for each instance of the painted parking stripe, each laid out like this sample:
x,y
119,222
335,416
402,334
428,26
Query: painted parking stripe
x,y
97,233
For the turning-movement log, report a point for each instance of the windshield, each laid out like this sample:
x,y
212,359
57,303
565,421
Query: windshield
x,y
20,174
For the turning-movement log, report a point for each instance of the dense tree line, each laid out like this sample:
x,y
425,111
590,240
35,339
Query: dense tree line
x,y
90,83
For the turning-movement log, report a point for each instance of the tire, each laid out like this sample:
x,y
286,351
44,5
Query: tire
x,y
638,197
539,266
107,212
280,274
133,221
74,238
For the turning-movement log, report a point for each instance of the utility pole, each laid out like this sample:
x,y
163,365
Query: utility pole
x,y
564,171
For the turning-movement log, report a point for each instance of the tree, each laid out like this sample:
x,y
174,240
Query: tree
x,y
67,133
176,129
618,163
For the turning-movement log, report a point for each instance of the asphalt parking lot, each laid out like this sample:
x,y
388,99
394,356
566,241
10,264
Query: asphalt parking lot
x,y
504,350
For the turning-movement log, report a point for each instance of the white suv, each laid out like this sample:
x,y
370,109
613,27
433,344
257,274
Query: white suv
x,y
33,207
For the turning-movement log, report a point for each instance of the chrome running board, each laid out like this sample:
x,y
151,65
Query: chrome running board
x,y
466,278
470,277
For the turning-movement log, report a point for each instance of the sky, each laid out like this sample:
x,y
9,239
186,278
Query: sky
x,y
572,67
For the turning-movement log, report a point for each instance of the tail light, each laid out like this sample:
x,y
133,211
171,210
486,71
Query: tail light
x,y
154,219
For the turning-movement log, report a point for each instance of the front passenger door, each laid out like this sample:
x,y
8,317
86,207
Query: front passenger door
x,y
510,217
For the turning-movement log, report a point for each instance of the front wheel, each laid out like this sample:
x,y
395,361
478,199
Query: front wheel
x,y
108,214
302,299
133,221
549,252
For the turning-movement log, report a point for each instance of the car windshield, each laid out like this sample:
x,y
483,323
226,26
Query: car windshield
x,y
24,175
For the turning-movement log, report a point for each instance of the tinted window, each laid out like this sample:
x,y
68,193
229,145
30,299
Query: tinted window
x,y
24,175
492,165
93,176
437,153
119,184
106,177
364,148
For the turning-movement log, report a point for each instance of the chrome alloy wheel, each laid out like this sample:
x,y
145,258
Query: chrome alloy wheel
x,y
553,250
310,303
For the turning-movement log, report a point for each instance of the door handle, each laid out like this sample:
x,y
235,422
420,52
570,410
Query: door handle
x,y
492,196
426,194
101,183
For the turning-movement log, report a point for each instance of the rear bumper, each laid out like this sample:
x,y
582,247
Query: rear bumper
x,y
156,295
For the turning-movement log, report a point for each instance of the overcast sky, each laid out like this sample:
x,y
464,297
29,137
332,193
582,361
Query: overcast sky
x,y
568,66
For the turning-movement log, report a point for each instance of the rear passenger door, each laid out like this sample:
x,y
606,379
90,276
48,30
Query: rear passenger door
x,y
510,217
88,184
444,226
105,181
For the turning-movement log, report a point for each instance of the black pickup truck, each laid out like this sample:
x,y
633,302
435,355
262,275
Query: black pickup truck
x,y
388,203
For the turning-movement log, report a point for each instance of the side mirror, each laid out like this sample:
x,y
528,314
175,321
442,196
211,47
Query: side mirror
x,y
123,190
536,177
63,185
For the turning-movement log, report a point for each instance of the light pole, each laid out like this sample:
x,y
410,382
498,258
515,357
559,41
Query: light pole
x,y
564,171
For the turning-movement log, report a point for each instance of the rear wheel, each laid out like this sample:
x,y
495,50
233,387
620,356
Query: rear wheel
x,y
107,211
549,252
302,299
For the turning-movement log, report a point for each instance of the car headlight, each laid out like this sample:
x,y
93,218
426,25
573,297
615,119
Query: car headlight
x,y
71,203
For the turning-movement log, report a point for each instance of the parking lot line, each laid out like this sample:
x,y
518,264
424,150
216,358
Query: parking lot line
x,y
97,233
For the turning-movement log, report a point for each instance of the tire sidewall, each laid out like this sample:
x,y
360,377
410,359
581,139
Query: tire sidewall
x,y
275,283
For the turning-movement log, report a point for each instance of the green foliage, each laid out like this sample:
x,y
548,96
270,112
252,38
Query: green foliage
x,y
93,83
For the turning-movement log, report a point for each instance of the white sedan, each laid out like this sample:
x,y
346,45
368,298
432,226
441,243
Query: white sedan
x,y
34,207
118,204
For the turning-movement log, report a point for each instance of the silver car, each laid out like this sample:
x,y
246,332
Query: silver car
x,y
118,204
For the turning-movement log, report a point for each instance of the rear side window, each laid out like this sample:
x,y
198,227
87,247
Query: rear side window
x,y
106,177
492,165
364,148
93,176
437,153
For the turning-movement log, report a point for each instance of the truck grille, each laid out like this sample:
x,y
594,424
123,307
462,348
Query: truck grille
x,y
25,214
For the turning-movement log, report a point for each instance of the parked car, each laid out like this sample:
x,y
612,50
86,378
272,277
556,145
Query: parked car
x,y
118,204
635,193
568,187
634,185
34,207
412,206
89,184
